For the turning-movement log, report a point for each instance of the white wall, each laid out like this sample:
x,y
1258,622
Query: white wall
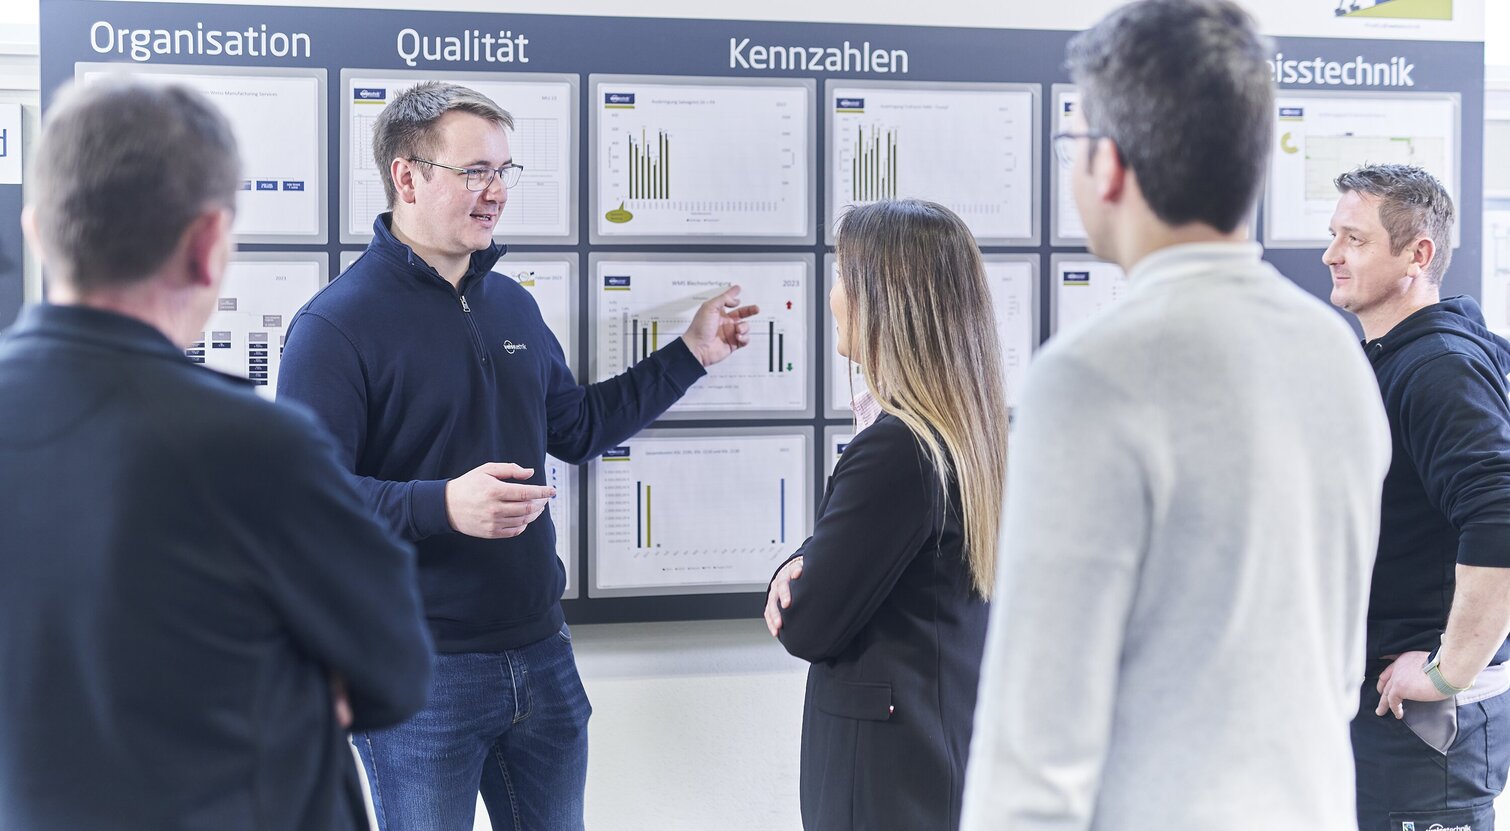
x,y
695,726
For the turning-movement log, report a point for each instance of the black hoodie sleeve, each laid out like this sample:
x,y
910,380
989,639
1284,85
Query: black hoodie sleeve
x,y
1455,425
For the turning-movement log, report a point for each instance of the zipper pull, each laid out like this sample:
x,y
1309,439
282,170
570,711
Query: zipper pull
x,y
464,306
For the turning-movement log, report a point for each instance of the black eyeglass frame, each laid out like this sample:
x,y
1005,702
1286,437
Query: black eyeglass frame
x,y
509,173
1062,150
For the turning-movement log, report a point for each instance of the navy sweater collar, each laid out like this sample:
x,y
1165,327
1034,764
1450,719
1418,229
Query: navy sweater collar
x,y
97,327
388,246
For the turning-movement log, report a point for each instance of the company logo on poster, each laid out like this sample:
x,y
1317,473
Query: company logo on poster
x,y
1396,9
10,144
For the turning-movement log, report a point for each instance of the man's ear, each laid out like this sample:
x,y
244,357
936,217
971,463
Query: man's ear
x,y
402,171
1422,252
206,245
31,234
1108,171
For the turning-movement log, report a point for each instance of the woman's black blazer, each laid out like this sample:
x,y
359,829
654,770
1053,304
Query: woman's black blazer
x,y
885,613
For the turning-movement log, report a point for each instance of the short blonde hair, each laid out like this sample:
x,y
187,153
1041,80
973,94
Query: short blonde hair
x,y
407,126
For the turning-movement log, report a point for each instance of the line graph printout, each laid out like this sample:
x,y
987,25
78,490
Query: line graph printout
x,y
642,305
1318,137
1083,288
1012,285
550,283
970,150
539,205
277,122
1067,228
712,511
258,299
692,160
563,507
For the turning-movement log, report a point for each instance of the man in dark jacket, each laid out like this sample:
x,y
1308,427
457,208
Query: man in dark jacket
x,y
445,390
1430,736
194,603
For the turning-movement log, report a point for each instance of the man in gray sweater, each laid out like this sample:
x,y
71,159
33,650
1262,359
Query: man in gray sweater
x,y
1193,490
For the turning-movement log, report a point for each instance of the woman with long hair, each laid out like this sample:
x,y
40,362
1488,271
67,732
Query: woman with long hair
x,y
888,598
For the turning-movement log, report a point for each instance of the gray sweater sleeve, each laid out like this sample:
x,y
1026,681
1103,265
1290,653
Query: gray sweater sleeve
x,y
1072,542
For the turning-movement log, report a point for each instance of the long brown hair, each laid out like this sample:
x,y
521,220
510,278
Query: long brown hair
x,y
921,326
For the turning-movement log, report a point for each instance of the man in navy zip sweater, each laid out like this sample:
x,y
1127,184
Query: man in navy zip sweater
x,y
1430,736
445,390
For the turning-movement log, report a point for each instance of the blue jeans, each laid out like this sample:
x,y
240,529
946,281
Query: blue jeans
x,y
1406,784
512,725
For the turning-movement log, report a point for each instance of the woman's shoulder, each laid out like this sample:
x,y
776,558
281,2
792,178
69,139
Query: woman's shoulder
x,y
887,430
890,437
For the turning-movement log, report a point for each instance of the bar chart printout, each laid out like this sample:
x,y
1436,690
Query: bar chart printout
x,y
702,160
874,165
699,510
258,299
650,175
540,140
969,150
644,305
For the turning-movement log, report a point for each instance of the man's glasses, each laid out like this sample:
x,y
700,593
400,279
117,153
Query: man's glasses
x,y
479,178
1064,147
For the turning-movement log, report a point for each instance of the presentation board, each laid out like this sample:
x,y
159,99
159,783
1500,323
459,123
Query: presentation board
x,y
698,511
1013,282
683,159
1083,287
541,207
279,119
643,302
258,298
651,142
973,148
1319,135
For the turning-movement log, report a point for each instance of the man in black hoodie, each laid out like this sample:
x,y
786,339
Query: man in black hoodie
x,y
1432,736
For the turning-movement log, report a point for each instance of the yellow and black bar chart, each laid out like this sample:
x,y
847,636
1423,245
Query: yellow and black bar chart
x,y
675,159
969,147
642,304
698,510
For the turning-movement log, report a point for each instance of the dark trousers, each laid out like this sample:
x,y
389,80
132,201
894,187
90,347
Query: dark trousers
x,y
1407,784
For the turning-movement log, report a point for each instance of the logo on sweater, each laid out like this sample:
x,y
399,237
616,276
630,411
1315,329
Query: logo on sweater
x,y
510,347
